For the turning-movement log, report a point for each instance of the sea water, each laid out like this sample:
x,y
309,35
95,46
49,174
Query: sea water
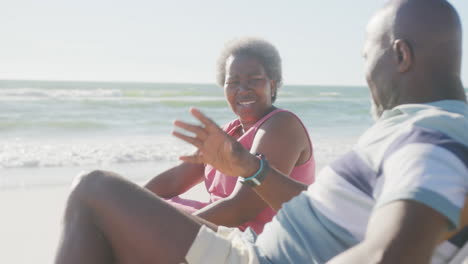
x,y
53,125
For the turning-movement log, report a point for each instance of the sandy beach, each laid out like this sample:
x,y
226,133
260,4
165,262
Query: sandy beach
x,y
51,131
31,215
32,202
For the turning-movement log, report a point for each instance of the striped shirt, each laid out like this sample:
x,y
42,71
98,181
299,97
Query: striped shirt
x,y
414,152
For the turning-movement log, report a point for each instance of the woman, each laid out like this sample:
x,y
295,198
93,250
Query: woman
x,y
109,219
250,72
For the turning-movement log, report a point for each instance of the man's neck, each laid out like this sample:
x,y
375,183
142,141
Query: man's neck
x,y
432,89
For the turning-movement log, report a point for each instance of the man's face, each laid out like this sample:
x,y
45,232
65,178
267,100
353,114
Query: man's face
x,y
377,54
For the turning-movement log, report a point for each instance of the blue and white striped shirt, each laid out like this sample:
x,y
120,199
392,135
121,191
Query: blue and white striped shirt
x,y
414,152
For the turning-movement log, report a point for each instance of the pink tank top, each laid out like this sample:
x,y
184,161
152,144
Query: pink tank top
x,y
220,186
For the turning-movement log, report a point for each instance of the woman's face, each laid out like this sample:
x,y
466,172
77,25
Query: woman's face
x,y
247,88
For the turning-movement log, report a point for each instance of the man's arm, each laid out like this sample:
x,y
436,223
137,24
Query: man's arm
x,y
403,231
463,223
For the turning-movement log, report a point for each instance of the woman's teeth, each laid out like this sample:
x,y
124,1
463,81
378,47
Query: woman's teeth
x,y
246,102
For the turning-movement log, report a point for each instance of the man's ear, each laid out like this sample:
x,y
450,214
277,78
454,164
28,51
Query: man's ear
x,y
404,55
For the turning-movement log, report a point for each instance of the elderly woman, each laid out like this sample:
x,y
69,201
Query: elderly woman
x,y
250,72
109,219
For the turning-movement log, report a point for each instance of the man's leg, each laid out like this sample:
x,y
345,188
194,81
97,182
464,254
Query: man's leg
x,y
111,220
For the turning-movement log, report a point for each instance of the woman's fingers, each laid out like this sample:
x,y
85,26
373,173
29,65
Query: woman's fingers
x,y
207,138
209,124
194,141
192,158
197,130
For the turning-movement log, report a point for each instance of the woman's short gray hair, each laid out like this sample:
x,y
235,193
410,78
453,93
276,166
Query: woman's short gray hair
x,y
261,49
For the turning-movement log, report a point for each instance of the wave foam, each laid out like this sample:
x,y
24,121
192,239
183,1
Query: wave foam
x,y
34,154
59,93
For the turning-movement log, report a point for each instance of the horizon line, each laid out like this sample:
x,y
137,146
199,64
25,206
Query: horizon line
x,y
163,82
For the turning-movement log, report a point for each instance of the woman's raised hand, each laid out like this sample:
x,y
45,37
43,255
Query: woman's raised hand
x,y
215,147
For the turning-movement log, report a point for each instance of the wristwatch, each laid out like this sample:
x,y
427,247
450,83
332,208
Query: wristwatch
x,y
256,179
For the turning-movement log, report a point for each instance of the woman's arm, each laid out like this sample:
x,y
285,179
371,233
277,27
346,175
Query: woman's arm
x,y
176,180
284,149
227,155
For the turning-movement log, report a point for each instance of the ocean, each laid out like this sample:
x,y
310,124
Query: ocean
x,y
49,125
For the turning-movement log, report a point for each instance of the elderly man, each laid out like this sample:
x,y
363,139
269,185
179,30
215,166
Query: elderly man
x,y
389,200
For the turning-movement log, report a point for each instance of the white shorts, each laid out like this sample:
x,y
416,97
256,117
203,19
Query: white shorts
x,y
225,246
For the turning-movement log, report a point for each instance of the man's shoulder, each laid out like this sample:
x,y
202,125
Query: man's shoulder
x,y
447,116
417,123
444,124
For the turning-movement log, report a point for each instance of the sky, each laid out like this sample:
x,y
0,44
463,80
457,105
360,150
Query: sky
x,y
179,41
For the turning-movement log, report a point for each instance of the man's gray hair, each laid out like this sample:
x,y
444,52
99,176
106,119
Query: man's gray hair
x,y
260,49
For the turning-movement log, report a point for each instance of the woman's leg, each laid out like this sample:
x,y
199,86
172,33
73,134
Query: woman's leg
x,y
111,220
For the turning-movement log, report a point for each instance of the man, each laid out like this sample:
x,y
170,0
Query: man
x,y
389,200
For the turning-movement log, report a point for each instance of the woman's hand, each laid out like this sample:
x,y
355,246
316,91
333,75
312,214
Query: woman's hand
x,y
215,147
